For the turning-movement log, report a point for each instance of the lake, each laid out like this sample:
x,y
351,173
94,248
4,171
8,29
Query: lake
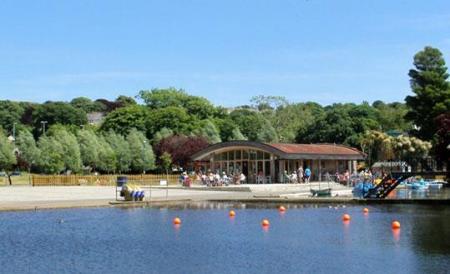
x,y
305,239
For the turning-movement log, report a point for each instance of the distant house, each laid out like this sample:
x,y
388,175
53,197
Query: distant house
x,y
95,118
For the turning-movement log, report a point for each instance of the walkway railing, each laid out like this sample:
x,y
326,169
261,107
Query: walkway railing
x,y
100,180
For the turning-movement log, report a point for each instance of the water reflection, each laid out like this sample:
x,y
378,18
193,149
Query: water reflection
x,y
404,193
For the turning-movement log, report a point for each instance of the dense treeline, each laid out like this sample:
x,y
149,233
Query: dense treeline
x,y
55,137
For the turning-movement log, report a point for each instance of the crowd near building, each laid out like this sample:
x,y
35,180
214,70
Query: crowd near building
x,y
271,163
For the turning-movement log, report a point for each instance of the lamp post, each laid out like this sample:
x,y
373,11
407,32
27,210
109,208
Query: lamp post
x,y
43,126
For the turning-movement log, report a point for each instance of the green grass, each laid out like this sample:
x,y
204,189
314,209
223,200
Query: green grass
x,y
23,179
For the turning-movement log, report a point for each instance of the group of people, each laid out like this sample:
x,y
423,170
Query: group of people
x,y
217,179
298,176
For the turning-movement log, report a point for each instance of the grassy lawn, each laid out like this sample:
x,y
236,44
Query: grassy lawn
x,y
23,179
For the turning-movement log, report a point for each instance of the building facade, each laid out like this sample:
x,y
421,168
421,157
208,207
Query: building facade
x,y
267,163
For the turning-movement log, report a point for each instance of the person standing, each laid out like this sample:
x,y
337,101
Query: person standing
x,y
300,174
307,174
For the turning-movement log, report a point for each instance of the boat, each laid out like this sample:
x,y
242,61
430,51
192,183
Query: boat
x,y
436,184
321,192
419,185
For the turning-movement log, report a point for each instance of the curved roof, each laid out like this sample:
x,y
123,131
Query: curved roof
x,y
289,151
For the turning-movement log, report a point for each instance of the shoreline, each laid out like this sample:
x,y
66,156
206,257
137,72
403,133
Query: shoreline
x,y
42,198
50,205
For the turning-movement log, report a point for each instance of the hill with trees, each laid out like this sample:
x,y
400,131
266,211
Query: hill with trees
x,y
142,134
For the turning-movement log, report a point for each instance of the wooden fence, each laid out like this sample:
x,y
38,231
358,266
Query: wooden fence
x,y
100,180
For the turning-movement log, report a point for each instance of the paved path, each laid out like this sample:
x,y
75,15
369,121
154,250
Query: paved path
x,y
26,197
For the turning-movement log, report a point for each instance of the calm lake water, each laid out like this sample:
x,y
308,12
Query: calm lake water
x,y
306,239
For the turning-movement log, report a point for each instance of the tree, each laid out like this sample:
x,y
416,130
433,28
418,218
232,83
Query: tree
x,y
86,104
391,117
122,120
10,113
173,118
125,101
89,148
181,148
289,119
263,103
208,130
340,123
121,149
165,161
267,133
431,89
28,151
163,133
142,157
236,135
249,122
58,113
71,149
51,159
7,157
171,97
107,161
442,139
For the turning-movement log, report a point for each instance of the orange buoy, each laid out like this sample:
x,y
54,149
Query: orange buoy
x,y
176,221
282,209
366,210
232,213
395,225
346,217
265,223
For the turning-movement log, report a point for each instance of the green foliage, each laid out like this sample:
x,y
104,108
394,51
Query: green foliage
x,y
341,124
236,135
165,161
173,118
171,97
125,101
142,157
251,122
121,148
86,104
10,113
107,160
289,119
122,120
71,150
431,91
28,150
7,157
267,134
89,148
58,113
392,116
51,159
208,130
263,103
163,133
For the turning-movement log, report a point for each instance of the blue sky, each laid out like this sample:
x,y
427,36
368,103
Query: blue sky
x,y
227,51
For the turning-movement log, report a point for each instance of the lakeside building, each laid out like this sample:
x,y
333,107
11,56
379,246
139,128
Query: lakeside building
x,y
269,161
